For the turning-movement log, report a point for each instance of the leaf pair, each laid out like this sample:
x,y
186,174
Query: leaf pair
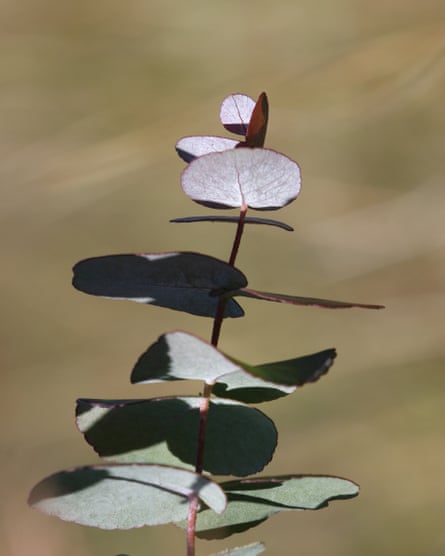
x,y
182,356
128,496
184,281
222,175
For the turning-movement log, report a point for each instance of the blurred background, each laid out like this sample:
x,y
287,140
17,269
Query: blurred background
x,y
93,97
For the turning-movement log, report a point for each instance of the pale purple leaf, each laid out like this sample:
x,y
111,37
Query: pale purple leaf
x,y
236,111
189,148
262,179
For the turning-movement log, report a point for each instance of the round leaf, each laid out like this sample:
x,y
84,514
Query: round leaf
x,y
240,440
123,496
181,356
235,113
182,281
259,178
252,501
189,148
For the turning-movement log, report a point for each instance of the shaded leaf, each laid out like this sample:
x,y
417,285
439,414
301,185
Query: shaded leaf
x,y
296,300
274,380
182,281
256,132
191,147
234,219
123,496
235,113
247,550
240,440
252,501
262,179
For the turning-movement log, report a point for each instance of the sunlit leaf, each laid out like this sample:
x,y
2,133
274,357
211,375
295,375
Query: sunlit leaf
x,y
123,496
182,281
259,178
247,550
240,440
179,355
296,300
235,113
189,148
252,501
235,220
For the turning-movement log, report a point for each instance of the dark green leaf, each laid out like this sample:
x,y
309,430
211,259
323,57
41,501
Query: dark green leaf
x,y
234,219
240,440
183,281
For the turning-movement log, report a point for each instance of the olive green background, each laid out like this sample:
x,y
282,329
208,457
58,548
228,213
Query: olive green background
x,y
93,96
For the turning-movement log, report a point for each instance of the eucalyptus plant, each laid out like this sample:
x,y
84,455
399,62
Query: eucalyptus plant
x,y
160,454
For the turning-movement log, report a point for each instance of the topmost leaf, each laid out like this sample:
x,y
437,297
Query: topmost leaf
x,y
236,111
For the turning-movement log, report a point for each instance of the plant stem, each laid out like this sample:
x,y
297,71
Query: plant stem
x,y
205,402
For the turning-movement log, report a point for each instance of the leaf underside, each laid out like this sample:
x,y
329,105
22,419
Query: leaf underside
x,y
123,496
252,501
261,179
179,355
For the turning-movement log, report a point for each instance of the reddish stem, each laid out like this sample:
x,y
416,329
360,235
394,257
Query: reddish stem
x,y
205,403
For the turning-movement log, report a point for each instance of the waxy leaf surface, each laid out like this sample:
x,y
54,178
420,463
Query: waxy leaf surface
x,y
236,112
182,281
189,148
252,501
261,179
179,355
240,440
123,496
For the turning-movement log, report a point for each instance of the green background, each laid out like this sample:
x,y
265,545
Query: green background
x,y
93,97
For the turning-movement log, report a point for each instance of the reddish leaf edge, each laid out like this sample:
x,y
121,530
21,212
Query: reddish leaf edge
x,y
234,219
297,300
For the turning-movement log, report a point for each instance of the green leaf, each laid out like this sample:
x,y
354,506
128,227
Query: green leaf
x,y
252,501
296,300
235,220
123,496
179,355
247,550
274,380
183,281
240,440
